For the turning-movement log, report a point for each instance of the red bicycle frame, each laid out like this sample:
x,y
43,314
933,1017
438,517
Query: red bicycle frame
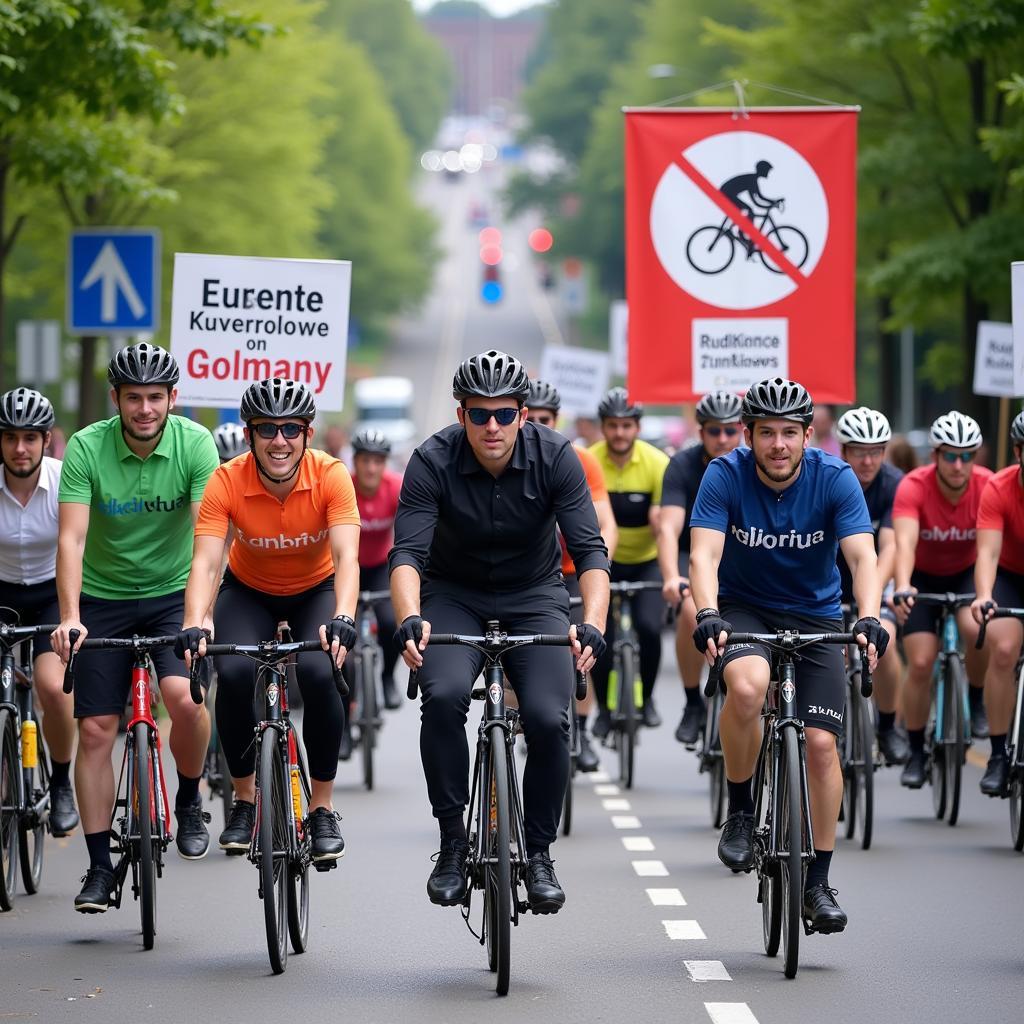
x,y
142,711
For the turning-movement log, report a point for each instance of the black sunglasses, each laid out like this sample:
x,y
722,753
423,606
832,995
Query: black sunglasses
x,y
960,456
268,431
505,417
718,431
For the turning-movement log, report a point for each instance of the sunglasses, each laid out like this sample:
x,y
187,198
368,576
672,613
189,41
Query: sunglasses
x,y
268,431
952,457
504,417
718,431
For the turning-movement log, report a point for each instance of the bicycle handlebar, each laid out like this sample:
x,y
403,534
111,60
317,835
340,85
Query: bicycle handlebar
x,y
948,600
11,634
996,613
141,644
633,587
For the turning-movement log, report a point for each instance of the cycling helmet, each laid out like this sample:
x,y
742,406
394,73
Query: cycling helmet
x,y
763,167
143,364
25,409
1017,429
616,405
723,406
278,398
491,374
230,440
372,442
777,399
544,396
863,426
956,430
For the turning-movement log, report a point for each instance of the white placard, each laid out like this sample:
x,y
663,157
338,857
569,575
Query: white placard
x,y
618,336
239,319
731,354
994,360
1017,287
581,376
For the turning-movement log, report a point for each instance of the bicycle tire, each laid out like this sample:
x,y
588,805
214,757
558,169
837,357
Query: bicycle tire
x,y
793,245
566,824
298,879
144,795
703,266
498,873
712,753
849,809
956,750
32,836
937,755
368,714
627,717
769,891
273,853
1015,783
791,859
866,771
9,762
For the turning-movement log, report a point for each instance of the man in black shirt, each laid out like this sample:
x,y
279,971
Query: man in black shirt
x,y
718,415
475,540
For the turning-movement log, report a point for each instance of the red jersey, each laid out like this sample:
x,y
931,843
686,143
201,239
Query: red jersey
x,y
946,543
1002,508
378,518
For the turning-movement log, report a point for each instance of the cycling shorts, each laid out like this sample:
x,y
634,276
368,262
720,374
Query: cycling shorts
x,y
35,603
925,618
1008,589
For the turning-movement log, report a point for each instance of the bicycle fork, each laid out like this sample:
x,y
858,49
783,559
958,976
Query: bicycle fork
x,y
8,700
788,719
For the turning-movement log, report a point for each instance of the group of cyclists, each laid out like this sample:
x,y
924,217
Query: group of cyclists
x,y
152,525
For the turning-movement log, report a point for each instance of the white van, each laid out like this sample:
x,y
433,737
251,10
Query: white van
x,y
385,404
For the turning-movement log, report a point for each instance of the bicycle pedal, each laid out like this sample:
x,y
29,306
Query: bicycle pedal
x,y
325,865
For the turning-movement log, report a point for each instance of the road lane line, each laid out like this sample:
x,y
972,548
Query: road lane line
x,y
683,930
706,970
607,790
730,1013
625,821
598,776
615,805
666,897
638,844
650,868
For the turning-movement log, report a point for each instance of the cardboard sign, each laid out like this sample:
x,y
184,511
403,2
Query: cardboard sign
x,y
581,376
995,362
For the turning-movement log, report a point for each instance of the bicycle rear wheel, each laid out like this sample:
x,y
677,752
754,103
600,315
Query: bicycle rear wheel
x,y
368,712
298,879
143,805
8,811
273,853
1015,783
627,717
573,746
769,891
937,753
32,828
848,809
791,860
956,748
712,757
865,754
498,869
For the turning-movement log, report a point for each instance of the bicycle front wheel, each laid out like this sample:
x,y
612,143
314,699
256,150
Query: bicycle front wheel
x,y
143,803
573,745
273,854
498,867
937,754
712,758
627,716
793,244
791,861
1015,784
769,888
298,878
8,811
709,249
368,713
32,828
865,754
956,745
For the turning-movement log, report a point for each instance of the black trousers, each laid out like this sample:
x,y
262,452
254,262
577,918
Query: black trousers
x,y
376,578
542,678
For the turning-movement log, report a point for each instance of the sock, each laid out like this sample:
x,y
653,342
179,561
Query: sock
x,y
453,827
188,791
975,696
693,696
99,849
916,737
532,850
886,720
998,745
60,773
740,796
817,871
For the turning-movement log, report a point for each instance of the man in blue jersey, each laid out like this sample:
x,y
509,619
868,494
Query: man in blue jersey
x,y
765,530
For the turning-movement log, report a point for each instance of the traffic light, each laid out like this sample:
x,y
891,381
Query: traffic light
x,y
491,289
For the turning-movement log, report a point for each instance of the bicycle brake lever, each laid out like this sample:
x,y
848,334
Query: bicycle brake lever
x,y
339,678
581,685
714,678
866,685
194,685
69,668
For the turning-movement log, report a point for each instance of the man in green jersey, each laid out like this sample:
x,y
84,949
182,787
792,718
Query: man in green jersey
x,y
129,491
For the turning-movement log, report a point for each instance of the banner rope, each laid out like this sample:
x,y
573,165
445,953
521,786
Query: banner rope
x,y
737,85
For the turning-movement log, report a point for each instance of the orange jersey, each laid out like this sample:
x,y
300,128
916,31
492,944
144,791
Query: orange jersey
x,y
279,547
598,492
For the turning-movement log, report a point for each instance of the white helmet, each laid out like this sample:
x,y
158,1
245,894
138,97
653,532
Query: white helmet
x,y
863,426
956,430
230,440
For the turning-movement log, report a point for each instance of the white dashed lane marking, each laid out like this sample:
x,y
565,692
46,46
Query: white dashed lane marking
x,y
683,930
606,789
666,897
650,868
625,821
706,970
730,1013
638,844
615,805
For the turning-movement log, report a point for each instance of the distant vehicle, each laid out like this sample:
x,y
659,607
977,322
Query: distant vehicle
x,y
385,404
478,216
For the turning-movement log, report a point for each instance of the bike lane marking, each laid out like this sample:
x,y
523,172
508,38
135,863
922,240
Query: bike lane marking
x,y
625,821
730,1013
683,930
736,215
666,897
650,868
706,970
637,844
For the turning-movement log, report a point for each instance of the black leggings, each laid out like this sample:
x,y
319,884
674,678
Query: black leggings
x,y
648,615
246,616
376,578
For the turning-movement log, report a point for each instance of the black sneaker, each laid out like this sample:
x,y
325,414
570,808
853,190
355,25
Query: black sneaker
x,y
237,834
192,837
736,845
345,749
448,883
649,715
392,698
96,892
993,782
63,815
914,771
587,761
894,745
326,830
543,892
979,721
691,724
821,911
602,724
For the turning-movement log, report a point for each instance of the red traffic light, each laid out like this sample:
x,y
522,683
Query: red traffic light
x,y
540,240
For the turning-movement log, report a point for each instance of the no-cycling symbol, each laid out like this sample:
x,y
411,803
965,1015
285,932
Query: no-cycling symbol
x,y
739,220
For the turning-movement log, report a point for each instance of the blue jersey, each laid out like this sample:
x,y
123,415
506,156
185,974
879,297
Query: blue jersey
x,y
780,546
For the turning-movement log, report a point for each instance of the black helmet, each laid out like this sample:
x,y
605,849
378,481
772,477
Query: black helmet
x,y
230,440
763,167
1017,429
25,409
372,442
723,406
491,374
616,404
278,398
544,396
143,364
778,399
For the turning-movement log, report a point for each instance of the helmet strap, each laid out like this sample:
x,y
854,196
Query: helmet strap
x,y
275,479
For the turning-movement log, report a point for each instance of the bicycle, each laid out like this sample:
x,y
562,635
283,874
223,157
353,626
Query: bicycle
x,y
497,862
949,728
367,661
141,834
215,768
710,759
783,838
710,249
575,740
24,768
280,847
857,750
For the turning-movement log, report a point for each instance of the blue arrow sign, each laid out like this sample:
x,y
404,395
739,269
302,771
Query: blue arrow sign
x,y
113,281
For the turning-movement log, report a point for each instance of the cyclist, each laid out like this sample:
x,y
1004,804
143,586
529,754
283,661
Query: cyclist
x,y
230,441
129,488
999,580
718,419
475,540
293,556
542,407
765,528
633,472
750,186
935,514
28,570
863,435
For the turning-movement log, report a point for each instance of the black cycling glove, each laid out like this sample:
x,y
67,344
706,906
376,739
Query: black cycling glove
x,y
343,631
590,636
188,640
709,625
410,629
875,632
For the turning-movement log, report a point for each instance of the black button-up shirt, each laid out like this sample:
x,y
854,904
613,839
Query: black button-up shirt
x,y
456,522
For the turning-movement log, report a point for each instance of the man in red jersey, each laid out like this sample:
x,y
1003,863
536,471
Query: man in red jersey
x,y
999,580
934,515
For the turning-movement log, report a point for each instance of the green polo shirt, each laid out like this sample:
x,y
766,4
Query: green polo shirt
x,y
139,542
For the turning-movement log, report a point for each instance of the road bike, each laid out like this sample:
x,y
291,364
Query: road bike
x,y
575,741
783,838
24,767
367,665
496,866
140,822
857,750
710,759
280,847
711,249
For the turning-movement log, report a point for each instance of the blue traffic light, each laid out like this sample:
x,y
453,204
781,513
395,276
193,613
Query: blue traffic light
x,y
491,292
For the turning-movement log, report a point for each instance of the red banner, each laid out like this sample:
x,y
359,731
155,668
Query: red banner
x,y
740,250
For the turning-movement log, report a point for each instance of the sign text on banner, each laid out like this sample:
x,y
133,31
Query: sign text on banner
x,y
1017,306
581,376
994,362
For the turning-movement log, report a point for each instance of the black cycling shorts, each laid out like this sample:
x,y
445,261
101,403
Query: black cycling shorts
x,y
820,672
924,618
35,603
1008,589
